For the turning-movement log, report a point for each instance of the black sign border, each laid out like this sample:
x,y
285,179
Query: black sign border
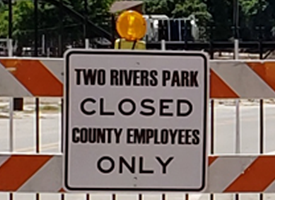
x,y
141,53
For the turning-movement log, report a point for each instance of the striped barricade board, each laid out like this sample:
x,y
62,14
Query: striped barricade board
x,y
42,77
226,174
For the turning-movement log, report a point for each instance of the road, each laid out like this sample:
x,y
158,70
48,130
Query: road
x,y
224,140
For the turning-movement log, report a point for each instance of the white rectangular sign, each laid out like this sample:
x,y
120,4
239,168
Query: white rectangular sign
x,y
135,120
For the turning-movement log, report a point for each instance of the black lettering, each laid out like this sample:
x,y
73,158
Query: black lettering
x,y
77,72
102,112
180,137
188,112
124,162
127,77
166,77
89,76
173,134
154,80
144,78
101,77
185,78
150,134
139,136
136,77
164,164
196,134
133,107
109,130
175,79
187,136
142,170
112,164
129,136
156,141
75,138
144,105
164,136
194,80
118,135
83,135
114,77
163,106
84,110
100,135
92,136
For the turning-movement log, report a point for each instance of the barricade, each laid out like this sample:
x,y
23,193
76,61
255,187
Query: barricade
x,y
39,173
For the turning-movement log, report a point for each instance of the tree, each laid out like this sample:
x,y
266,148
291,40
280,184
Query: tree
x,y
179,9
222,19
219,15
214,13
49,19
256,14
22,19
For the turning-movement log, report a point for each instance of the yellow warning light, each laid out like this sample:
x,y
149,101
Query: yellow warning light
x,y
131,25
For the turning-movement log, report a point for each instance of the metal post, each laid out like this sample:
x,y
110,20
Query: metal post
x,y
10,47
62,127
87,43
11,123
261,116
237,105
62,137
18,102
140,197
37,124
261,102
48,52
43,45
163,45
212,132
37,135
187,197
163,48
11,106
212,129
238,134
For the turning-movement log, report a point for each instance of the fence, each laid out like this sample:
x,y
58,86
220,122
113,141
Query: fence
x,y
41,172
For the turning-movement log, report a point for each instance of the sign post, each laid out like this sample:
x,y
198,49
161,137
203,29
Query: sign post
x,y
135,121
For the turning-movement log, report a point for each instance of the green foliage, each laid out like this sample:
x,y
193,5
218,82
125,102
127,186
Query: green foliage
x,y
219,14
216,13
22,18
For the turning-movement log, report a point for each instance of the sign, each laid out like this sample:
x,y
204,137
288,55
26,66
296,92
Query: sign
x,y
135,121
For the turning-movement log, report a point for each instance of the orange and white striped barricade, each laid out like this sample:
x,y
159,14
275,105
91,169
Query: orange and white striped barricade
x,y
226,174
